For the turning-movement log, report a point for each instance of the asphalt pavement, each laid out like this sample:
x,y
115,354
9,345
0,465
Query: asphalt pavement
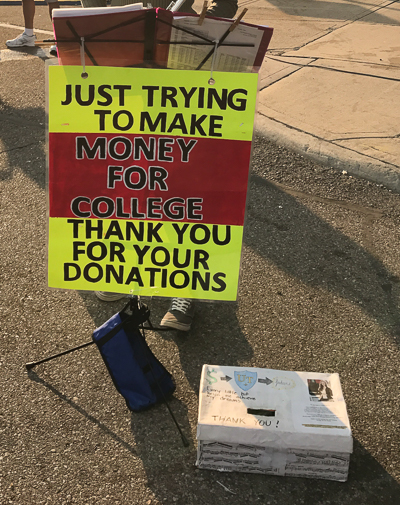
x,y
319,290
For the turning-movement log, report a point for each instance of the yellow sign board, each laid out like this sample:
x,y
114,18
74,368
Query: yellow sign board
x,y
148,174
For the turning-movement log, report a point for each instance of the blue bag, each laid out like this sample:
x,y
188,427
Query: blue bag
x,y
136,372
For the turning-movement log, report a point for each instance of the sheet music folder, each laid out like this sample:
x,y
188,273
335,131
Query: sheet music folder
x,y
131,36
113,36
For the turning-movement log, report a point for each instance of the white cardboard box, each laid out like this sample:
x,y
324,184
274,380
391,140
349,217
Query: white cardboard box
x,y
273,422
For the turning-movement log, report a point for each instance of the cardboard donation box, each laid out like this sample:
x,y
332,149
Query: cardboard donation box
x,y
273,422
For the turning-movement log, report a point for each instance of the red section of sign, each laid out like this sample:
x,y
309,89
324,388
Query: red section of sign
x,y
193,180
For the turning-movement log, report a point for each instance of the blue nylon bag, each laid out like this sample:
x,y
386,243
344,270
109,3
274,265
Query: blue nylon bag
x,y
137,374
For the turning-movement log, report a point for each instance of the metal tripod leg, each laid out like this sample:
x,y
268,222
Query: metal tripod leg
x,y
134,305
30,365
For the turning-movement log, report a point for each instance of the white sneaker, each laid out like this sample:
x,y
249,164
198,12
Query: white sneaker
x,y
22,40
106,296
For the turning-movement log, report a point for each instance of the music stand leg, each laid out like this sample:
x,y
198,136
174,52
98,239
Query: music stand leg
x,y
30,365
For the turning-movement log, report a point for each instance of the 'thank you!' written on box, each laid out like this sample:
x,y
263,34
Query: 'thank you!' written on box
x,y
273,422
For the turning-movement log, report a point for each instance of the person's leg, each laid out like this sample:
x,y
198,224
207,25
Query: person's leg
x,y
26,39
52,5
187,7
223,8
28,10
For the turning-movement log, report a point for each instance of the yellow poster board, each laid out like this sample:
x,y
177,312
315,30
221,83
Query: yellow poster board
x,y
147,178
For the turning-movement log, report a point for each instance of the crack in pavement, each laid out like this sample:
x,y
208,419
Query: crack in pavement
x,y
19,147
370,213
384,5
332,69
283,77
367,137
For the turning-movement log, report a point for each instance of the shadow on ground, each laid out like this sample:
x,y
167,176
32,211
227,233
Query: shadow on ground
x,y
22,143
341,11
172,477
285,232
279,228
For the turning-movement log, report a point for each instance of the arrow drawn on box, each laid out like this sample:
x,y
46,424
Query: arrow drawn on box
x,y
226,378
265,381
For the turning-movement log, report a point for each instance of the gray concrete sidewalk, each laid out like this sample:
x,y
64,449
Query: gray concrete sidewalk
x,y
330,85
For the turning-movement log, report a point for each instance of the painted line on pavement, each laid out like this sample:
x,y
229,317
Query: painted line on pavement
x,y
15,27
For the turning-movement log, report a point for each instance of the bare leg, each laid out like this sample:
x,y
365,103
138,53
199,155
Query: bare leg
x,y
53,5
28,9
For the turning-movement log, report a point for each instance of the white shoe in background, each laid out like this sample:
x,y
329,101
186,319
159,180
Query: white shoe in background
x,y
106,296
22,40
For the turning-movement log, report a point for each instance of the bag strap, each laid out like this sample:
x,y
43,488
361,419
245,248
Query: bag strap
x,y
139,315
